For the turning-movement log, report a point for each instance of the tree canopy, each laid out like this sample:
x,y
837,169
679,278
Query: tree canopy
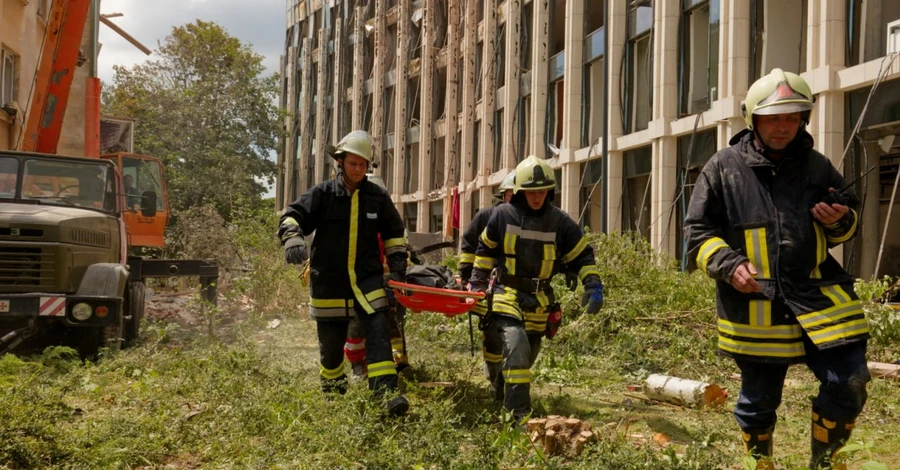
x,y
206,106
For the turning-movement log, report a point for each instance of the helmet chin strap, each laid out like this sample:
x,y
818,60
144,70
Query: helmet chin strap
x,y
344,179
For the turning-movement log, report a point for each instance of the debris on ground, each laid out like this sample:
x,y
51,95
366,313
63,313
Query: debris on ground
x,y
559,435
684,392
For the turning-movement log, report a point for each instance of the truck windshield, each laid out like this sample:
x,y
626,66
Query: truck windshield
x,y
68,183
142,175
9,174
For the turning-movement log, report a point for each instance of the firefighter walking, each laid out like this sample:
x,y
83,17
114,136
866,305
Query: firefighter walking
x,y
757,224
523,240
348,214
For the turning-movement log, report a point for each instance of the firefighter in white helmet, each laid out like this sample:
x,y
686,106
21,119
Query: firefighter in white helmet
x,y
760,224
523,240
349,214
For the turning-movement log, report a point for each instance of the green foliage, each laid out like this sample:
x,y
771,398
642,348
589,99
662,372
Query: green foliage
x,y
206,107
884,322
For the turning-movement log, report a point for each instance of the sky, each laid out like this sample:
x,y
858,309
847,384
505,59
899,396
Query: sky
x,y
260,23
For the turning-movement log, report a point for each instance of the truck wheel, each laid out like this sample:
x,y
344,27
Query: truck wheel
x,y
91,340
133,307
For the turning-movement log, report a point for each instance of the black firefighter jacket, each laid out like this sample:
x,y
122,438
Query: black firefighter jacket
x,y
531,245
746,208
345,269
469,242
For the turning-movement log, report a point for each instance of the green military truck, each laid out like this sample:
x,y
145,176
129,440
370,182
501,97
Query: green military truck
x,y
65,273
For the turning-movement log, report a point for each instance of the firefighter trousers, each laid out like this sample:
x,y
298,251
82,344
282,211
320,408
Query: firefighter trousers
x,y
332,336
518,351
355,348
842,375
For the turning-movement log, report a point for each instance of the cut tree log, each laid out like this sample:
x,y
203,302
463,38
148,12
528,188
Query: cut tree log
x,y
683,392
883,370
558,435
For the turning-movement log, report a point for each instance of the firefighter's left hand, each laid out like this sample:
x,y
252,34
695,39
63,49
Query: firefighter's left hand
x,y
828,214
592,298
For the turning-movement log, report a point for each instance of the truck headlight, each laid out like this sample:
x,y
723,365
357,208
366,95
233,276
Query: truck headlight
x,y
82,311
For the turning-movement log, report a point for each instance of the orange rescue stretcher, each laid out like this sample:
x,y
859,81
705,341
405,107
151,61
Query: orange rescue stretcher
x,y
448,302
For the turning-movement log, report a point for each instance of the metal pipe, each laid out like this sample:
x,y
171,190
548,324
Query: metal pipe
x,y
604,147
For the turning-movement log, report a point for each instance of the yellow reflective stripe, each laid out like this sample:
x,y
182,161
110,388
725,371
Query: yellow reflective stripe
x,y
331,374
510,264
850,232
750,331
760,312
351,254
331,303
397,344
586,271
375,295
487,241
548,261
393,242
290,222
794,349
467,258
491,357
480,308
543,300
841,331
836,294
830,315
382,368
517,376
758,251
821,251
485,262
708,249
582,244
509,243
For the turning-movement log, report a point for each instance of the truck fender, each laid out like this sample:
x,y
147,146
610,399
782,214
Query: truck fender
x,y
104,279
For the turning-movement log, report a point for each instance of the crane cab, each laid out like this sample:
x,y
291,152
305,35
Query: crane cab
x,y
143,177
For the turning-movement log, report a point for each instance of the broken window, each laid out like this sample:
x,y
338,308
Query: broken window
x,y
389,48
639,60
411,169
557,194
8,77
692,156
872,29
498,140
476,152
439,88
367,113
456,168
437,162
501,60
410,216
460,76
636,194
555,116
698,64
414,100
557,22
592,103
387,108
593,15
475,202
436,209
479,59
590,198
526,27
777,36
387,172
479,11
525,149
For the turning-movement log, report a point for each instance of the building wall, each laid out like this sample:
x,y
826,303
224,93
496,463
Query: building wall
x,y
22,29
515,75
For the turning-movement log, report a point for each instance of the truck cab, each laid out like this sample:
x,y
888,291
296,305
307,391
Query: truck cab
x,y
63,261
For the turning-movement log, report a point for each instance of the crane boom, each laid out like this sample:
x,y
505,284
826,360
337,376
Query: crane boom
x,y
53,79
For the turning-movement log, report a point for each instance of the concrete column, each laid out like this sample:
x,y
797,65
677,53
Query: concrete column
x,y
735,79
359,48
574,77
288,177
338,92
426,139
305,143
321,162
488,93
401,117
468,118
511,100
539,78
453,77
378,80
664,183
615,55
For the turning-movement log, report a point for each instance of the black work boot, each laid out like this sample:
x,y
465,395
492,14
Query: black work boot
x,y
397,406
338,385
827,437
758,443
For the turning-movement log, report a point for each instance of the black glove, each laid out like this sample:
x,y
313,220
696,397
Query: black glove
x,y
571,280
593,297
295,250
398,276
478,286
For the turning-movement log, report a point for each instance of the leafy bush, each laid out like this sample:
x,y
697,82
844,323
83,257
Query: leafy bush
x,y
884,322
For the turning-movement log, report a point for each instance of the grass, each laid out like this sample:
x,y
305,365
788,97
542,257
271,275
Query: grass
x,y
248,396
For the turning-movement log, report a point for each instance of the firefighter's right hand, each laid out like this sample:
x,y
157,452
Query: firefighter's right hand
x,y
295,250
477,286
743,280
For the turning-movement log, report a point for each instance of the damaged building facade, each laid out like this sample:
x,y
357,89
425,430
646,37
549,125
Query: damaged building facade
x,y
456,92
